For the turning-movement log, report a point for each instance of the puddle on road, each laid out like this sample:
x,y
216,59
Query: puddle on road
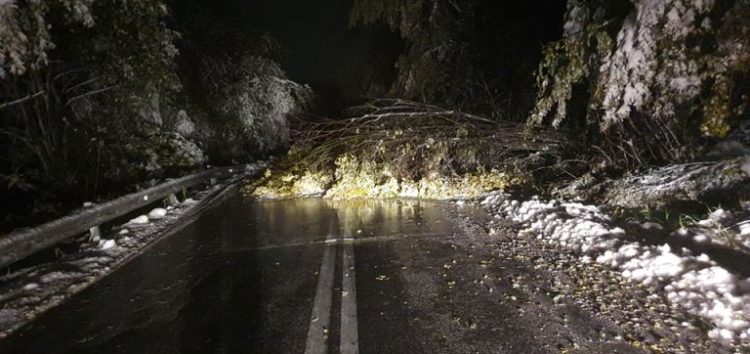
x,y
299,222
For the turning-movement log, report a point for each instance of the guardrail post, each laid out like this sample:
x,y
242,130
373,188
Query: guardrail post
x,y
172,200
95,234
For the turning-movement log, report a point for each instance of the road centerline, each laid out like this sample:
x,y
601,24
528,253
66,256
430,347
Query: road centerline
x,y
319,330
349,330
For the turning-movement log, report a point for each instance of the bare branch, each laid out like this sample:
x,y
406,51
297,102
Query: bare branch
x,y
23,99
87,94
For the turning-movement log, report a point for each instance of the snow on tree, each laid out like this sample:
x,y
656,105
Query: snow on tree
x,y
25,37
651,78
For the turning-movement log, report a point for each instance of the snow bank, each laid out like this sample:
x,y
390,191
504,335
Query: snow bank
x,y
141,220
157,214
692,281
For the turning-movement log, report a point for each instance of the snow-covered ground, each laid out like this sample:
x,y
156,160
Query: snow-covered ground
x,y
693,281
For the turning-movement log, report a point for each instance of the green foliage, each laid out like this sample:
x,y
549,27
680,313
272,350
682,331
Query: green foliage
x,y
728,102
562,68
574,61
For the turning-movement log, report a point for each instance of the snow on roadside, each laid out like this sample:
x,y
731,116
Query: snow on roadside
x,y
157,214
692,281
27,292
141,220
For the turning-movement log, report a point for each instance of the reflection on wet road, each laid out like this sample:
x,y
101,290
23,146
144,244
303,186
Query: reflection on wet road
x,y
314,276
241,279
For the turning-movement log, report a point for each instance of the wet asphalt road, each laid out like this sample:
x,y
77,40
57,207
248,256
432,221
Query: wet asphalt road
x,y
312,276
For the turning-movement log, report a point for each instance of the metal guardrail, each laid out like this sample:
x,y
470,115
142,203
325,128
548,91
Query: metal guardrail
x,y
21,244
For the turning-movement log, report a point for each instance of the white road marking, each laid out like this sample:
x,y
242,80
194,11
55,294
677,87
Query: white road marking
x,y
337,241
349,331
317,334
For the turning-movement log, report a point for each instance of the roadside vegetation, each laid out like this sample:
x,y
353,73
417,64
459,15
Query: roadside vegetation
x,y
99,98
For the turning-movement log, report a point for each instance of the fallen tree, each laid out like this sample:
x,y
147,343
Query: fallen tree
x,y
396,148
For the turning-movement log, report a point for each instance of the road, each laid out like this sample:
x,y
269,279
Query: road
x,y
314,276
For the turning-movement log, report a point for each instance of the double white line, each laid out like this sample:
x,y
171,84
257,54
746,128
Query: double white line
x,y
319,330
